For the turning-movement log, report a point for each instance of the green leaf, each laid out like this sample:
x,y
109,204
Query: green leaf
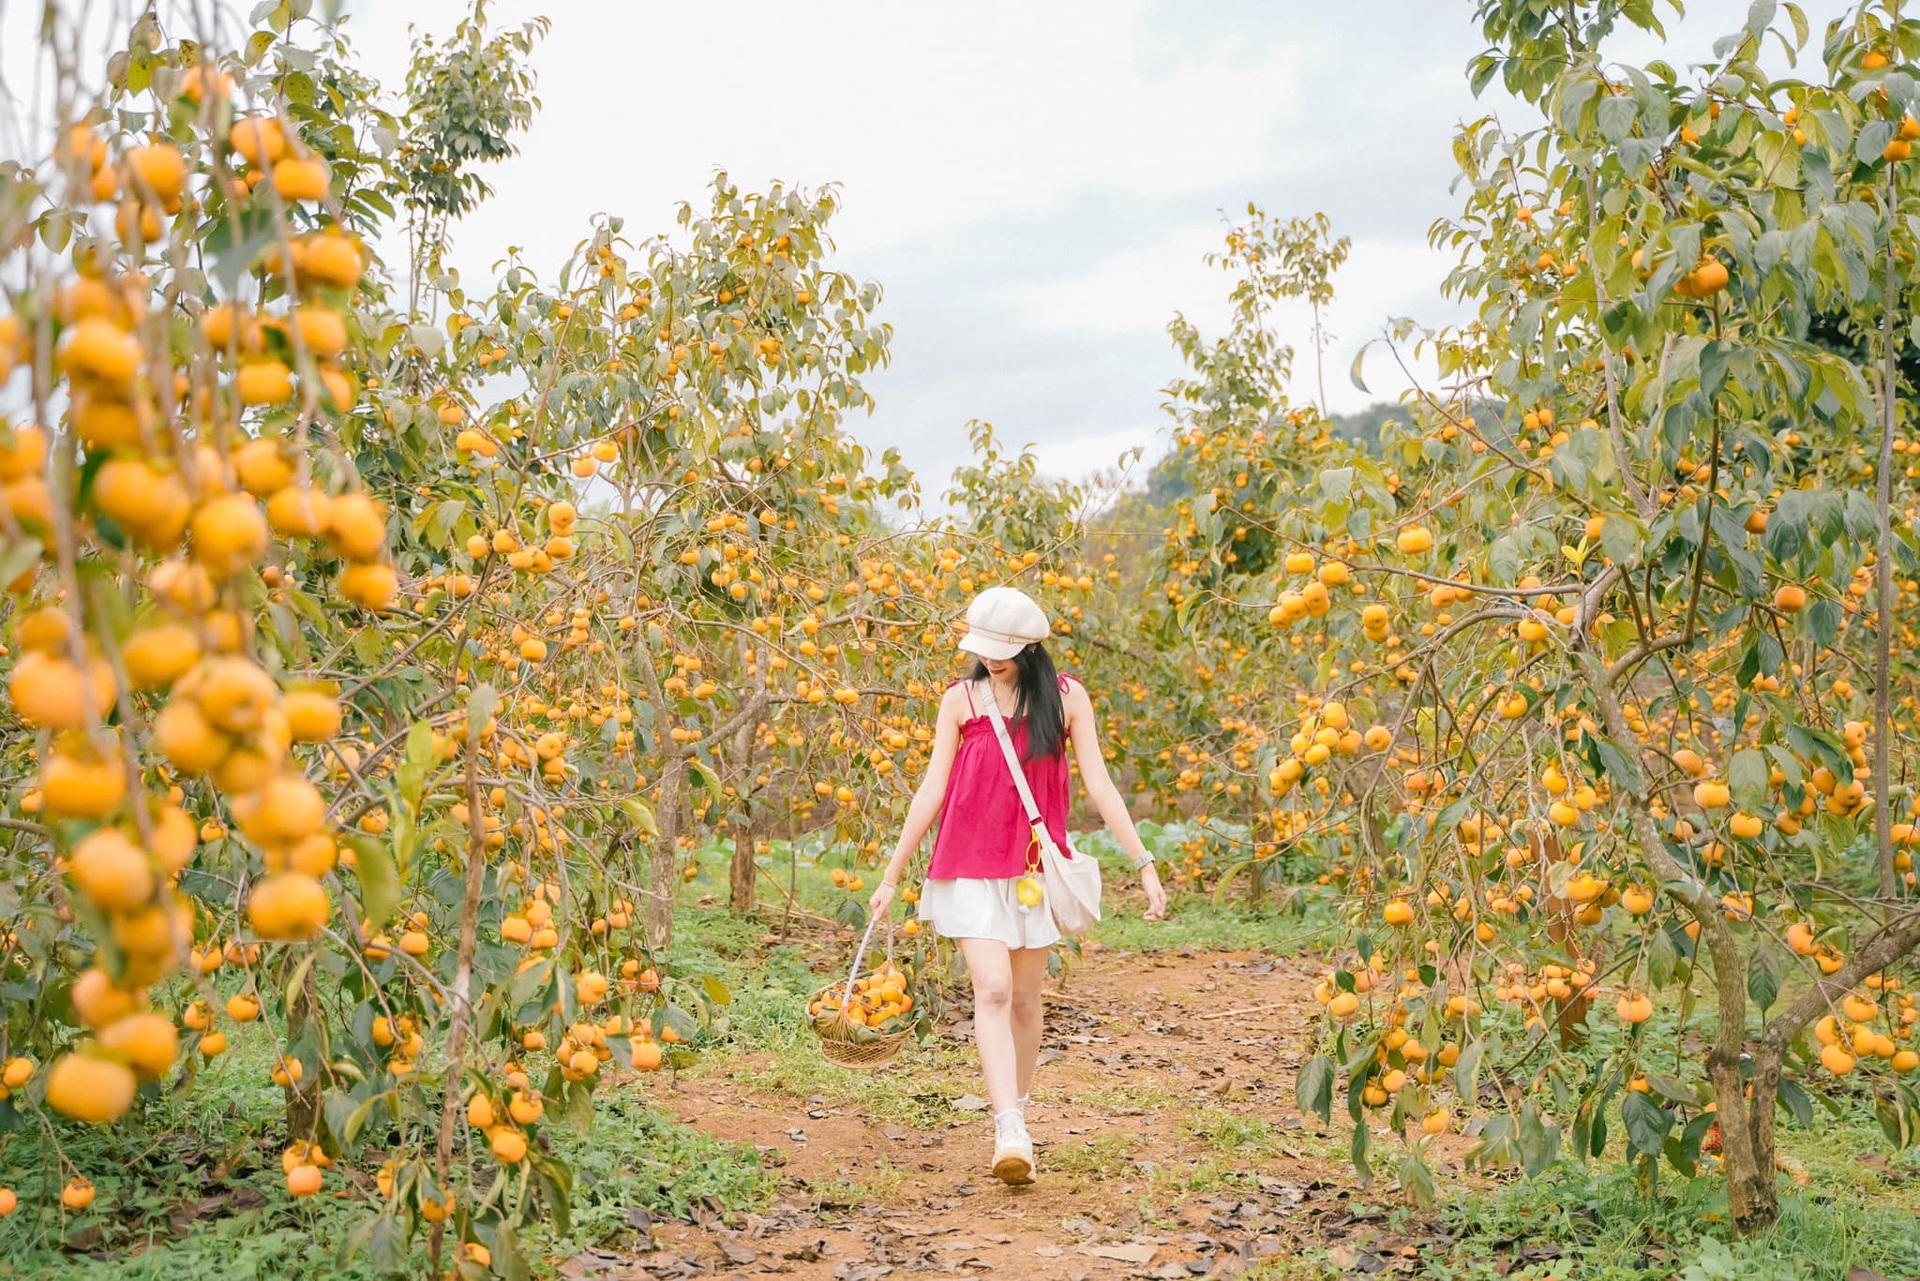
x,y
17,558
1539,1141
1618,764
1799,20
579,1106
1661,959
704,772
1484,68
299,978
1620,539
1715,358
430,341
1648,1124
358,1118
1362,1166
684,1024
1747,777
1763,981
1590,1122
1466,1072
1821,747
1416,1180
1673,1089
234,244
1823,620
415,761
480,708
368,647
1336,483
379,883
1313,1088
1873,140
555,1180
716,990
1795,1101
1899,1119
642,815
1616,116
508,1259
1503,560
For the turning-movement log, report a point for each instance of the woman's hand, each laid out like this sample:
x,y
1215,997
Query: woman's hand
x,y
882,898
1156,897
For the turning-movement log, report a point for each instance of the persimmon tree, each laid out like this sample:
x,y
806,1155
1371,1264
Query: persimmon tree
x,y
1598,689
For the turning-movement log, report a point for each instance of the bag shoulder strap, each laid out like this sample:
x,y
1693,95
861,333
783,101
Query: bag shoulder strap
x,y
1013,759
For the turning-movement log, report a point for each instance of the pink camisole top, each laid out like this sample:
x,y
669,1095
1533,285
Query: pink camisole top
x,y
983,824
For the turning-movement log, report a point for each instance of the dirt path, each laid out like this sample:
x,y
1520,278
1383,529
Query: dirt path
x,y
1168,1146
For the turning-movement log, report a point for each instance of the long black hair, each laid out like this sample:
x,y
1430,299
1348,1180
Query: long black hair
x,y
1040,702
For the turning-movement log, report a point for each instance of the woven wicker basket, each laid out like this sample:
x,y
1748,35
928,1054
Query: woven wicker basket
x,y
865,1052
845,1043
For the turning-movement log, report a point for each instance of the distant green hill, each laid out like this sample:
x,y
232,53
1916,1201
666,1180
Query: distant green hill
x,y
1146,509
1363,425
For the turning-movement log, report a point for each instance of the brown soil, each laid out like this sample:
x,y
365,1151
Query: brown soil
x,y
1168,1145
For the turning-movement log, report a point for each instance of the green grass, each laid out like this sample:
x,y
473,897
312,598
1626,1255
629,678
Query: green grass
x,y
1229,1132
1199,923
1096,1157
1600,1223
1611,1230
630,1157
882,1183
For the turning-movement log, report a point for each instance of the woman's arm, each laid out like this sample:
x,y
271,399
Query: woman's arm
x,y
932,792
1106,798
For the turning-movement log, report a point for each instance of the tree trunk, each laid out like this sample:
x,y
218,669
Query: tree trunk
x,y
1746,1145
666,857
1746,1140
451,1106
303,1096
1569,1012
740,877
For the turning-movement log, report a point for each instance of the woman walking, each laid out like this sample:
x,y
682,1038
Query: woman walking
x,y
981,850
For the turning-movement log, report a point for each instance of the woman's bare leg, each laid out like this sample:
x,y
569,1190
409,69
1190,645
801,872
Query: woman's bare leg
x,y
993,1031
1028,968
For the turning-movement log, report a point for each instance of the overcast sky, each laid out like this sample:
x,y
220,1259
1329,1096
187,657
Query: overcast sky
x,y
1033,183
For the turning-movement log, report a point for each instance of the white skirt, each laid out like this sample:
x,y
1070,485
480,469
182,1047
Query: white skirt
x,y
976,908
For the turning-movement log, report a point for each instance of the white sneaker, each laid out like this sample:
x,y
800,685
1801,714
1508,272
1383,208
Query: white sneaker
x,y
1012,1148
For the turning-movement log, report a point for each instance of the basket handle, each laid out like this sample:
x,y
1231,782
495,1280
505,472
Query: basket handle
x,y
860,954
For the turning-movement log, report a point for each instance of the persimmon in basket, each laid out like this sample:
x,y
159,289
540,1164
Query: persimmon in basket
x,y
881,1002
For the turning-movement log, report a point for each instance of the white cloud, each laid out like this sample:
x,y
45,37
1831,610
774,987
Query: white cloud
x,y
1138,290
932,116
1079,456
1134,290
